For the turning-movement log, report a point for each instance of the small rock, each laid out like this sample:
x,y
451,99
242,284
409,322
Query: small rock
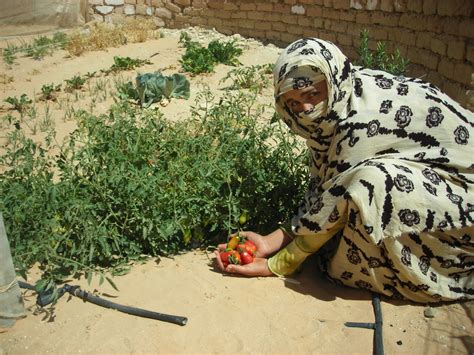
x,y
399,342
429,312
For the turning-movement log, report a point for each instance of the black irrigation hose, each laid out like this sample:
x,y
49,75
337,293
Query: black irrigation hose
x,y
47,298
377,326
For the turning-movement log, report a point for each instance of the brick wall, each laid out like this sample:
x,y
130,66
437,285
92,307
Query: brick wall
x,y
436,35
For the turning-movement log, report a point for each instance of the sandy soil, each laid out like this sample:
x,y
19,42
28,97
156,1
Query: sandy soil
x,y
226,314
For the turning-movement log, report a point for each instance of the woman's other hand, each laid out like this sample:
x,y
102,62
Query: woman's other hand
x,y
258,267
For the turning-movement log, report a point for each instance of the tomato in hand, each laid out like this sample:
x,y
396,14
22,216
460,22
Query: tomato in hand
x,y
233,242
246,257
234,257
224,255
247,246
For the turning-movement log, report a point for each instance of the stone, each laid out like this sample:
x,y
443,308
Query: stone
x,y
298,10
129,9
114,2
163,13
104,10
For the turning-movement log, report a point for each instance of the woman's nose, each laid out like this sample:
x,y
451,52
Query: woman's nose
x,y
307,106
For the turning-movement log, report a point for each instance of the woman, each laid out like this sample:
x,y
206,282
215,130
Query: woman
x,y
392,180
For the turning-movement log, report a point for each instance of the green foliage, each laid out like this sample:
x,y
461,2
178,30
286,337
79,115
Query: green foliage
x,y
198,59
254,77
126,63
37,49
380,59
48,91
152,87
131,183
75,83
225,53
19,104
9,55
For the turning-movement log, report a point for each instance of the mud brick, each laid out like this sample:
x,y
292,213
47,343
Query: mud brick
x,y
423,40
438,45
383,18
263,25
470,53
305,21
363,17
215,4
423,57
296,30
463,73
466,28
415,6
289,19
288,37
228,6
256,15
224,14
456,48
446,68
331,14
412,21
342,4
430,6
344,39
240,14
387,5
347,16
314,11
248,7
455,7
327,36
310,32
280,27
264,7
282,9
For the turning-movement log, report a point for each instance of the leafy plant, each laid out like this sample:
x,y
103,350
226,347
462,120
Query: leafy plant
x,y
198,59
380,59
131,183
152,87
225,53
126,63
19,104
254,77
9,55
49,91
75,83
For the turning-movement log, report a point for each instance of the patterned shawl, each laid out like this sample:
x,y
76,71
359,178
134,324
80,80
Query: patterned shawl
x,y
397,148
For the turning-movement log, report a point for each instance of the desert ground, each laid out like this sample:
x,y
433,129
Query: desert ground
x,y
226,314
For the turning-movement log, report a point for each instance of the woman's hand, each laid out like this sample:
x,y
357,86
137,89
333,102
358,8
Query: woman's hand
x,y
258,267
266,245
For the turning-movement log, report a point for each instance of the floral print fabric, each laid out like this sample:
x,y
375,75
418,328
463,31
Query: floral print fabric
x,y
392,162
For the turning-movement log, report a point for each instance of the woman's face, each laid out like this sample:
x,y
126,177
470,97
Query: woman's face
x,y
300,100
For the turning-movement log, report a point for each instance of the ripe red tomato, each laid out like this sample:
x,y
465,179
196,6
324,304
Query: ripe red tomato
x,y
224,255
246,257
247,246
234,257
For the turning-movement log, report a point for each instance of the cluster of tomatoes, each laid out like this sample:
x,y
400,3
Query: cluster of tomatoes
x,y
238,251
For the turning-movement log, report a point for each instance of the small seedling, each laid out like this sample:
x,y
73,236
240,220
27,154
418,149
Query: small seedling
x,y
75,83
19,104
126,63
48,92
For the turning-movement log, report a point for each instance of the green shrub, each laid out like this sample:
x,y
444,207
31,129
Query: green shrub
x,y
131,183
380,59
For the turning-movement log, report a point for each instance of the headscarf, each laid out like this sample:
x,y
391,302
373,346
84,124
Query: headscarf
x,y
392,174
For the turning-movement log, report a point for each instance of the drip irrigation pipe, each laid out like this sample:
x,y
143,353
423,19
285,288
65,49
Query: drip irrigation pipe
x,y
46,298
377,326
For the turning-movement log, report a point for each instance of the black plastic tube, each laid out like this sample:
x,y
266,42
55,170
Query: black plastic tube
x,y
86,296
378,325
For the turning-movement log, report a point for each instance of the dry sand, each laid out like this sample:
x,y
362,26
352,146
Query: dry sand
x,y
226,314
